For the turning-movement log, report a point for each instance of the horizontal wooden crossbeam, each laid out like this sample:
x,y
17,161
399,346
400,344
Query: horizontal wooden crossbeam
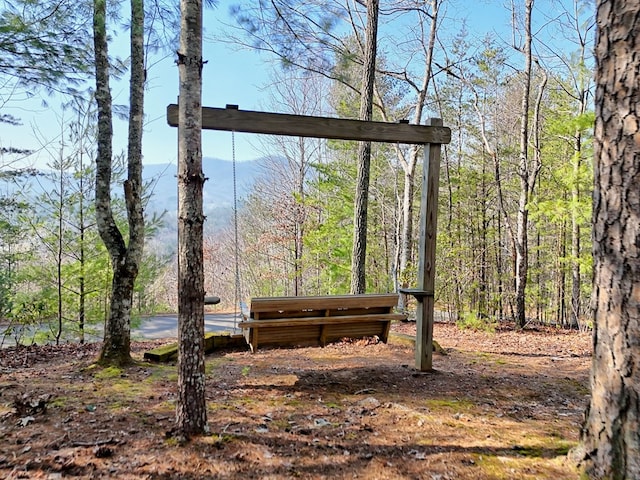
x,y
261,305
233,119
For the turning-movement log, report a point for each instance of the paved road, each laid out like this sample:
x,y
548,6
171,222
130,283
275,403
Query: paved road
x,y
159,326
163,326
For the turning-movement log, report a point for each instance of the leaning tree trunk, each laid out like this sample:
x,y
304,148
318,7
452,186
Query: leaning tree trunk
x,y
409,167
125,259
359,255
610,434
191,412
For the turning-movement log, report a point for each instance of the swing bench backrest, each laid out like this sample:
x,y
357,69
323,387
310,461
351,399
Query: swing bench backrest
x,y
310,321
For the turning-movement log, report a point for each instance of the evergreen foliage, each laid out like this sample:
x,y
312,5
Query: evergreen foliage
x,y
43,44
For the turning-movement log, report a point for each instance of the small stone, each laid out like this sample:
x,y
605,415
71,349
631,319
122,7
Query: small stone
x,y
321,422
24,421
369,403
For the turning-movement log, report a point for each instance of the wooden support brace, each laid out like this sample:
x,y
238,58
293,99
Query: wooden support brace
x,y
417,293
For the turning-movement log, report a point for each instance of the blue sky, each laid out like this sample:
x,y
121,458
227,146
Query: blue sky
x,y
231,76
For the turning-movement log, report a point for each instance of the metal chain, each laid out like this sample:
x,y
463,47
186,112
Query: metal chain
x,y
236,301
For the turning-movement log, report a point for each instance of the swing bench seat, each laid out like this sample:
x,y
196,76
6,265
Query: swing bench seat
x,y
316,321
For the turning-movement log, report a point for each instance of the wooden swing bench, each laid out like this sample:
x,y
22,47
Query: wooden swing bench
x,y
313,321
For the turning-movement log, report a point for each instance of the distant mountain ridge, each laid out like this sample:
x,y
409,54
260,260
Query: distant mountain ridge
x,y
162,180
217,195
218,189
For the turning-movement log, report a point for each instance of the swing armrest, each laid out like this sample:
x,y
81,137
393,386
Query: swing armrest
x,y
211,300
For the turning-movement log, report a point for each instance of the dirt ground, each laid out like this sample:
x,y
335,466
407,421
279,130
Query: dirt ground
x,y
506,405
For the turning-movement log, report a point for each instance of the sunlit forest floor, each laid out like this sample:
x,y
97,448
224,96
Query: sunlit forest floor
x,y
504,405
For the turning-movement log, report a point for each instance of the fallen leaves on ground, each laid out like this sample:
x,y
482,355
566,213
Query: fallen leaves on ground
x,y
498,405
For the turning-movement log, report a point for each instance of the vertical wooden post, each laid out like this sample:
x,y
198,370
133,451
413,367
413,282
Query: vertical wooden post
x,y
427,253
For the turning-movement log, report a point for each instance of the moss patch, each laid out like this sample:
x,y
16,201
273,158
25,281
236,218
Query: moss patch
x,y
107,373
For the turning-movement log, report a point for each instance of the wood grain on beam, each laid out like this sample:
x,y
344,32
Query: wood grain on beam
x,y
232,119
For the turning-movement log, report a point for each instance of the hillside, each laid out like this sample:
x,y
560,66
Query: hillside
x,y
161,178
218,189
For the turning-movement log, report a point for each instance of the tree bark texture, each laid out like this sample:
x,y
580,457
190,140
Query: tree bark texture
x,y
191,413
104,215
133,185
611,432
522,240
124,260
359,255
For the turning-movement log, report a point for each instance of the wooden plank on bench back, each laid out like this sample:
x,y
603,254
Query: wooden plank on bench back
x,y
316,330
301,334
295,322
331,305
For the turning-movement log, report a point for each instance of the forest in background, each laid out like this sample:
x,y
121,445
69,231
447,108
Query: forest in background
x,y
295,227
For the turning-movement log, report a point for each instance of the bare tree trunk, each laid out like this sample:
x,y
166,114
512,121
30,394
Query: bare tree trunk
x,y
521,261
406,233
539,282
191,412
133,185
81,254
359,254
575,237
125,259
60,248
499,263
300,217
537,162
610,433
561,287
522,240
409,167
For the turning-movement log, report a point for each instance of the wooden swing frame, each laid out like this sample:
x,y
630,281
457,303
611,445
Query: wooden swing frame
x,y
432,136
